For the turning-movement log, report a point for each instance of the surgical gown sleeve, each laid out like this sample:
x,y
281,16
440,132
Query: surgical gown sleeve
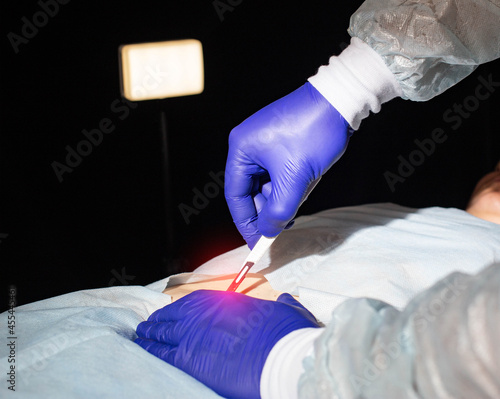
x,y
429,45
443,345
410,49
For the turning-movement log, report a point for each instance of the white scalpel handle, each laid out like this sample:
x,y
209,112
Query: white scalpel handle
x,y
260,249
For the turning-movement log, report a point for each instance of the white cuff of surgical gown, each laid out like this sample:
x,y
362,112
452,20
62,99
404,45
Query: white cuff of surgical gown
x,y
356,82
283,367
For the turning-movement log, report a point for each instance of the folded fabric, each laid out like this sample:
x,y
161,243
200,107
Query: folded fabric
x,y
382,251
80,345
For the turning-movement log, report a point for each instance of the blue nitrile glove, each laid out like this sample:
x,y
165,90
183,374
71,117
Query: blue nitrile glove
x,y
222,338
290,143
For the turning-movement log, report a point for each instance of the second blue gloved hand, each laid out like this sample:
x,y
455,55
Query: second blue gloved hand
x,y
222,338
276,156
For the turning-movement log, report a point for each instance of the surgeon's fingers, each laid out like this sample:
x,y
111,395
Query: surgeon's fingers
x,y
286,298
282,205
172,312
245,217
163,351
156,315
260,201
242,183
290,189
167,333
266,187
239,185
263,188
289,300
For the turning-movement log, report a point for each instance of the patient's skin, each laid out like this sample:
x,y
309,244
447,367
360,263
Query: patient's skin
x,y
485,199
254,284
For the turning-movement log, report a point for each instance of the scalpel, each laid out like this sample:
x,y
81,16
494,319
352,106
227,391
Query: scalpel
x,y
257,252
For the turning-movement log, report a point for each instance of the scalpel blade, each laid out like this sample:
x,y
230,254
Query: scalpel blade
x,y
257,252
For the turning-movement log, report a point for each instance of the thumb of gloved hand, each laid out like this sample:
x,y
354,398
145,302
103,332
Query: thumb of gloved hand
x,y
290,300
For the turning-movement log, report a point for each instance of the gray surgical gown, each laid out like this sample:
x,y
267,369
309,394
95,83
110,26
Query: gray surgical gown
x,y
429,45
444,344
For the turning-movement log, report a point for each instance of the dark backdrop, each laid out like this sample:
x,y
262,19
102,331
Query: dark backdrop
x,y
104,224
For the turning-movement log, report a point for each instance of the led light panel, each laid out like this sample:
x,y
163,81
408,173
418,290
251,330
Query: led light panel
x,y
161,69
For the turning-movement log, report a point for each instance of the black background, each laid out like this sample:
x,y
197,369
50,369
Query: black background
x,y
105,223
